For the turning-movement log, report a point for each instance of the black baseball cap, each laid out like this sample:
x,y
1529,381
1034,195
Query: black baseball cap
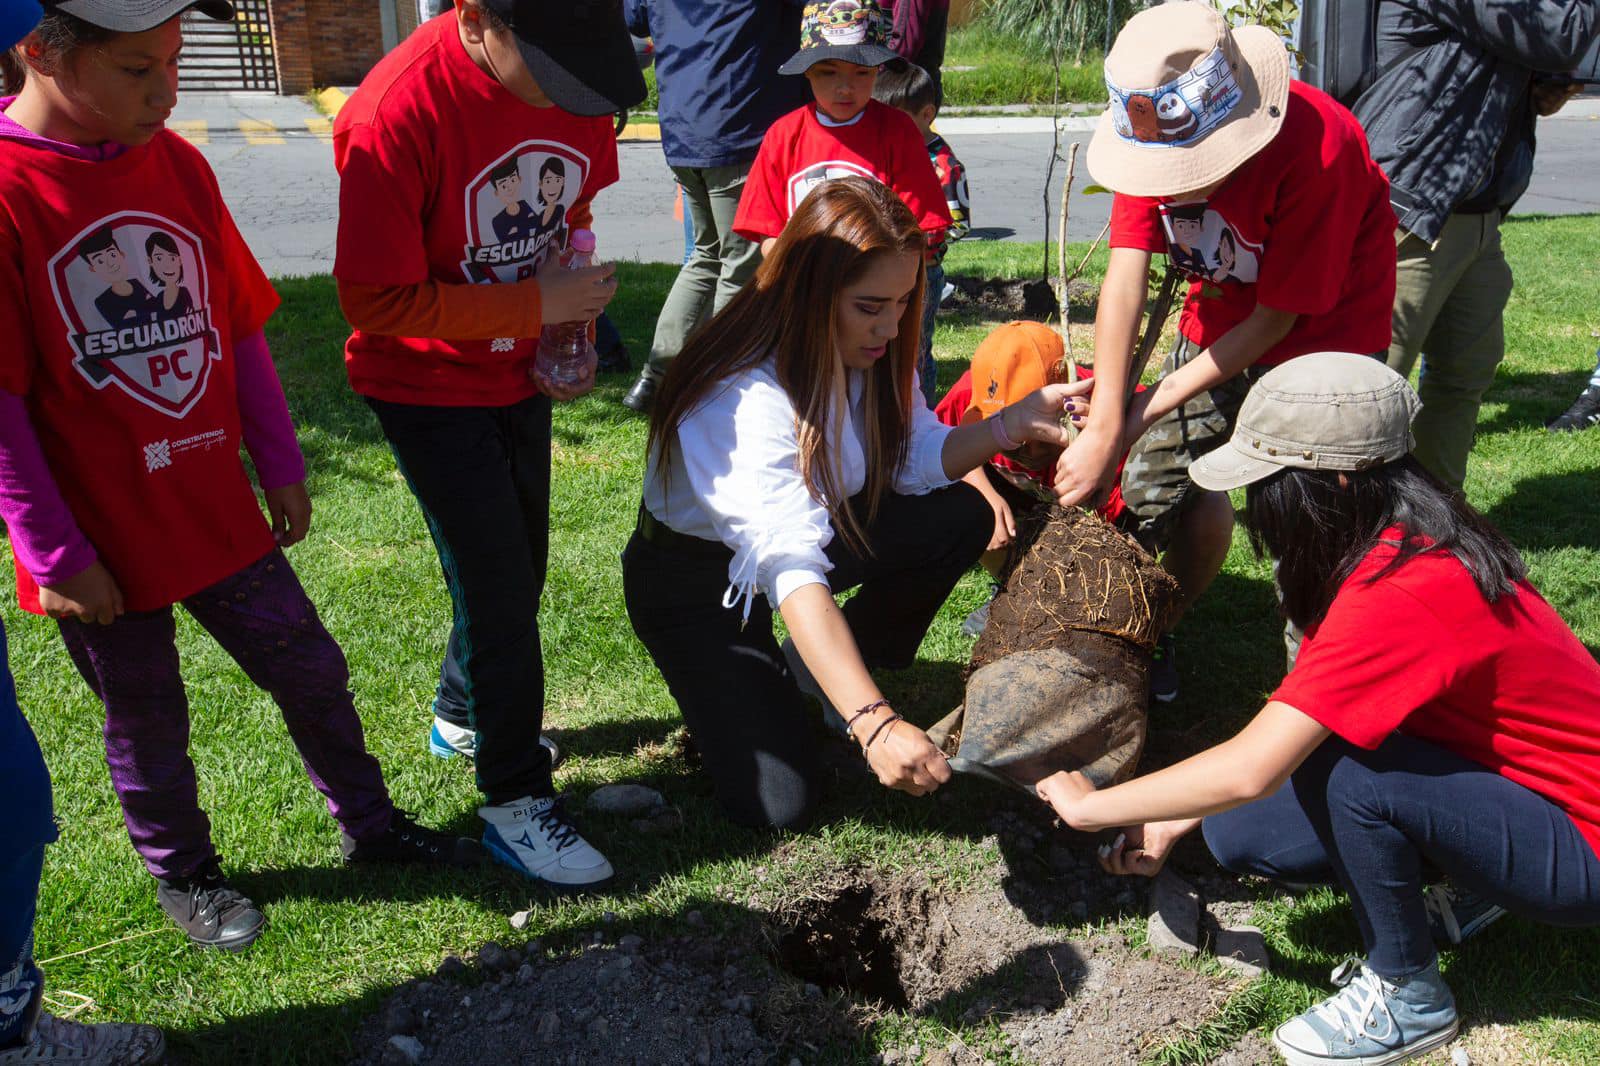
x,y
136,16
579,52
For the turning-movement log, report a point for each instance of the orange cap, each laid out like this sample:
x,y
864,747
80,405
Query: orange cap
x,y
1012,361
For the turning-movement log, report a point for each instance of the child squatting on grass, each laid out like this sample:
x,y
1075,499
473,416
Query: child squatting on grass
x,y
790,458
487,130
121,418
1440,715
1261,190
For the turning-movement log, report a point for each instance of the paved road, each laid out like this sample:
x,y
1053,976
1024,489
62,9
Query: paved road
x,y
273,160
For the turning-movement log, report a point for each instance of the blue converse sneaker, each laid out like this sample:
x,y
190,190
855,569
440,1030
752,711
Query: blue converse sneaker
x,y
1456,914
447,740
1371,1021
536,838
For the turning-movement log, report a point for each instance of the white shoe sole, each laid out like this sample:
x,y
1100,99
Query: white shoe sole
x,y
1295,1057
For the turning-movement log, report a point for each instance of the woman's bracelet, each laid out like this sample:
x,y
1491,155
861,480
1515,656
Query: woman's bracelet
x,y
997,428
850,726
885,724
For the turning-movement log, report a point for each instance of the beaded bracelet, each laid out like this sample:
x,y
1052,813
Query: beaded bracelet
x,y
885,724
997,428
850,726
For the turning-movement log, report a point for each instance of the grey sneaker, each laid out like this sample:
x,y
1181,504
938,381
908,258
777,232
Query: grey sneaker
x,y
1371,1021
57,1040
1456,915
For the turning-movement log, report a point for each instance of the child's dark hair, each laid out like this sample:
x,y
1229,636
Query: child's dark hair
x,y
905,86
165,243
101,240
1319,530
58,34
504,171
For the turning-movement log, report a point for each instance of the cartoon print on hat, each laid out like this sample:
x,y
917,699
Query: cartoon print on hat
x,y
843,22
517,211
1179,112
132,292
851,31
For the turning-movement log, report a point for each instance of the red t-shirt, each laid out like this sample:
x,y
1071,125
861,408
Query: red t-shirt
x,y
1507,684
444,175
799,153
1305,226
123,285
959,399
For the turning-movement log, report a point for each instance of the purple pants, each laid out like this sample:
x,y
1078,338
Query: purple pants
x,y
262,618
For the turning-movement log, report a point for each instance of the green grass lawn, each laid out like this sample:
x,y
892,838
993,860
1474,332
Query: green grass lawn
x,y
339,939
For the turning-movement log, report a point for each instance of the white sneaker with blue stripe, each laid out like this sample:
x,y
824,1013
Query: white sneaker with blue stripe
x,y
447,740
1371,1020
536,838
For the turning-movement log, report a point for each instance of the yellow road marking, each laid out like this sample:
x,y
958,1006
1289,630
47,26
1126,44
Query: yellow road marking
x,y
192,130
644,131
331,100
259,131
322,127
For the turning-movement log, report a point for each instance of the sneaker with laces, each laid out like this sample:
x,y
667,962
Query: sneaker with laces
x,y
1583,414
212,912
447,740
1164,669
58,1040
407,842
536,838
1456,915
1371,1020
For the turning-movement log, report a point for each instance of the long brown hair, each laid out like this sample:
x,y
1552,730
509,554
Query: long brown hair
x,y
787,313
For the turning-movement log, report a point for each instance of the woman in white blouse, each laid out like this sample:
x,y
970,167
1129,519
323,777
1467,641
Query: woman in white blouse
x,y
791,457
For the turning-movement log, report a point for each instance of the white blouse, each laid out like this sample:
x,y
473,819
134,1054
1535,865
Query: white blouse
x,y
735,478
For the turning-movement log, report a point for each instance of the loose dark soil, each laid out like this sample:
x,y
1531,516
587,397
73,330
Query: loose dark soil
x,y
1001,298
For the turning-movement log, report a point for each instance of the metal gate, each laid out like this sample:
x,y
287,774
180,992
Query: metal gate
x,y
229,56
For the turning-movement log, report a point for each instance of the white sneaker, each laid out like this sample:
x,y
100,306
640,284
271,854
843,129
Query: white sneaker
x,y
447,740
536,838
57,1040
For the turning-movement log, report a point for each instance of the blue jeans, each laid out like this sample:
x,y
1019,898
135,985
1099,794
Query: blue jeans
x,y
927,370
1375,821
25,829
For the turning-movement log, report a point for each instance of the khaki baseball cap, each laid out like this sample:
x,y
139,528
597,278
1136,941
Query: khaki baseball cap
x,y
1191,100
1327,411
1012,361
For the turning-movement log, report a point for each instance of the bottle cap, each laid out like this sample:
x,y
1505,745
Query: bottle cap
x,y
581,240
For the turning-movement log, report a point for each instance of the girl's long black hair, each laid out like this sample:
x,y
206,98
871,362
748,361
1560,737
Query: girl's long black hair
x,y
1320,529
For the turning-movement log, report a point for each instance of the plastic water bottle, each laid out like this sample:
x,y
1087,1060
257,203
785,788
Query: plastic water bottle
x,y
563,346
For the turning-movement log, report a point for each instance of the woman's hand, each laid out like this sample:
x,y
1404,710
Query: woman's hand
x,y
1066,791
563,391
289,508
1037,416
903,757
91,595
1143,849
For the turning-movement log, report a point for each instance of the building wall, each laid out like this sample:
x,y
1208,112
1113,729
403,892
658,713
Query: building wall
x,y
346,39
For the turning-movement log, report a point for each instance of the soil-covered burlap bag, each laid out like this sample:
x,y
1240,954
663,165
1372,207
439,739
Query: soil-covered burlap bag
x,y
1060,679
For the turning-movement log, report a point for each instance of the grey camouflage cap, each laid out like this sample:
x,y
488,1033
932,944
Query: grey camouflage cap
x,y
1326,411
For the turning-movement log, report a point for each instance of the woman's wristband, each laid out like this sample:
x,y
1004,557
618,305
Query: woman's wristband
x,y
885,724
997,428
850,725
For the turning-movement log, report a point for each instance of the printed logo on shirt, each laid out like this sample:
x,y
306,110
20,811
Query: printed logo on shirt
x,y
1203,244
802,182
159,454
132,292
516,210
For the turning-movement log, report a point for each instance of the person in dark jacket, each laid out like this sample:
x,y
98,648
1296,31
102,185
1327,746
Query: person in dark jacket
x,y
1450,118
917,31
717,73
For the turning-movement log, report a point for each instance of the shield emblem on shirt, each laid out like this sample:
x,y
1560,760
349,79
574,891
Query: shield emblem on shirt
x,y
133,292
802,182
516,210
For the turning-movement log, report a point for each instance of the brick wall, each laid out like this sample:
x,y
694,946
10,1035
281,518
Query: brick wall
x,y
291,46
346,39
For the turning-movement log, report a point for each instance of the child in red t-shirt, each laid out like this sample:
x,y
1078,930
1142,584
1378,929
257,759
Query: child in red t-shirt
x,y
1440,716
1263,192
466,158
846,132
133,369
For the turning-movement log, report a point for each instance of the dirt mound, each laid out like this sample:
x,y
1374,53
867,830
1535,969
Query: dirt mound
x,y
1001,297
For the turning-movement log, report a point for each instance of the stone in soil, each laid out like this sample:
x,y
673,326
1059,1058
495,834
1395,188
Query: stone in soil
x,y
1174,915
630,800
1242,949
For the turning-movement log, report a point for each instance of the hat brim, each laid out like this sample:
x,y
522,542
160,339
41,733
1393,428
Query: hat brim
x,y
862,55
611,81
1140,169
122,16
1226,468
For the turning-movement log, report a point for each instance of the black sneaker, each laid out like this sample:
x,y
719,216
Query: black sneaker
x,y
1164,670
211,911
1583,414
407,842
614,360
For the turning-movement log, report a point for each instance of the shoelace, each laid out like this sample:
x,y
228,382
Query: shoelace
x,y
1361,995
209,891
1440,900
557,829
410,834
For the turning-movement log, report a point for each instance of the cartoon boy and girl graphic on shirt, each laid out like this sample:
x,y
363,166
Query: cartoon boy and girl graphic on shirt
x,y
1204,245
126,301
517,220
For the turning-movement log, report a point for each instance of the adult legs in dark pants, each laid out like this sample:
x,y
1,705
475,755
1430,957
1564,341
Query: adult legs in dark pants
x,y
755,736
482,478
1374,821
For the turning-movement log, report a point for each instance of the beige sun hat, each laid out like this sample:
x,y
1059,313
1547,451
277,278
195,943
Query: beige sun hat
x,y
1191,100
1326,411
